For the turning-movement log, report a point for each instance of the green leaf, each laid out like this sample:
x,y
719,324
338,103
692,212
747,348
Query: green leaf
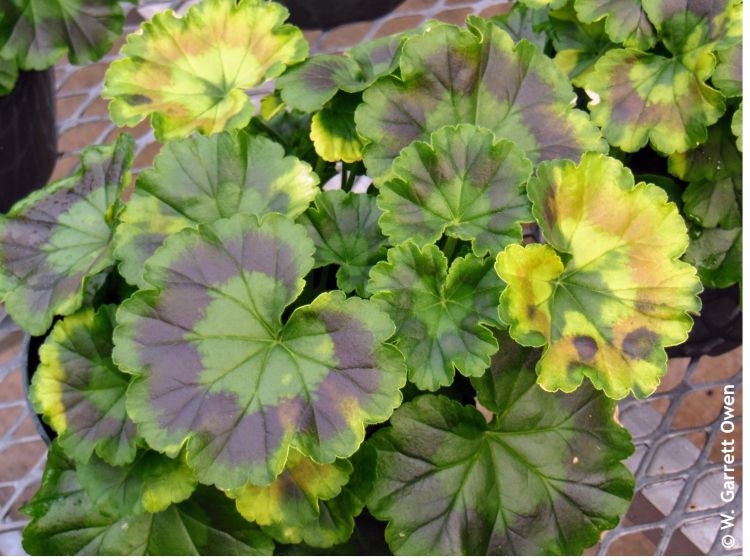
x,y
65,522
218,370
543,477
333,132
151,483
640,97
450,76
692,30
464,183
344,228
717,157
540,4
609,291
79,390
713,203
190,73
578,45
728,74
439,312
38,33
313,83
522,23
625,21
58,238
8,75
201,179
737,126
717,254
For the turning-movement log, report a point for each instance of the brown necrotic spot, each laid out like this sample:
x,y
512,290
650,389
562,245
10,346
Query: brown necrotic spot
x,y
639,343
586,347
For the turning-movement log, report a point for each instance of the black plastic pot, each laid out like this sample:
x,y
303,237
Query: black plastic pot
x,y
718,329
325,14
31,347
28,136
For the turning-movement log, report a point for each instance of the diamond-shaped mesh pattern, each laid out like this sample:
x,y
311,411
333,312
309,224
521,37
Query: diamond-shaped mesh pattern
x,y
678,462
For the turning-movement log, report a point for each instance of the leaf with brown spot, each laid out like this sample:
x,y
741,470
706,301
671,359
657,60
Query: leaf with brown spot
x,y
190,73
608,292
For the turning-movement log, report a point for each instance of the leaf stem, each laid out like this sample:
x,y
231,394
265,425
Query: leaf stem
x,y
343,176
450,247
268,129
350,180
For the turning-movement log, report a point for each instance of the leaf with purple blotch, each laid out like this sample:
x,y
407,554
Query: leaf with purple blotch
x,y
218,370
81,393
450,76
202,179
58,238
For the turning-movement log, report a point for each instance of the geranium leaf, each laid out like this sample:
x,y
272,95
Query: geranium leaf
x,y
728,74
440,313
464,183
65,522
691,30
56,239
450,76
335,522
292,500
8,75
313,83
344,228
151,483
521,23
540,4
713,203
577,45
333,132
737,126
715,158
717,254
79,390
201,179
189,73
38,33
641,97
217,367
625,21
607,309
543,477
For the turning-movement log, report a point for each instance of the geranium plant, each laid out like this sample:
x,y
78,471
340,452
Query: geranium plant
x,y
239,361
36,34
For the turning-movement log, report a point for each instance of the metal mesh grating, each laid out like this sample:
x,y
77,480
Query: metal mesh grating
x,y
676,431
